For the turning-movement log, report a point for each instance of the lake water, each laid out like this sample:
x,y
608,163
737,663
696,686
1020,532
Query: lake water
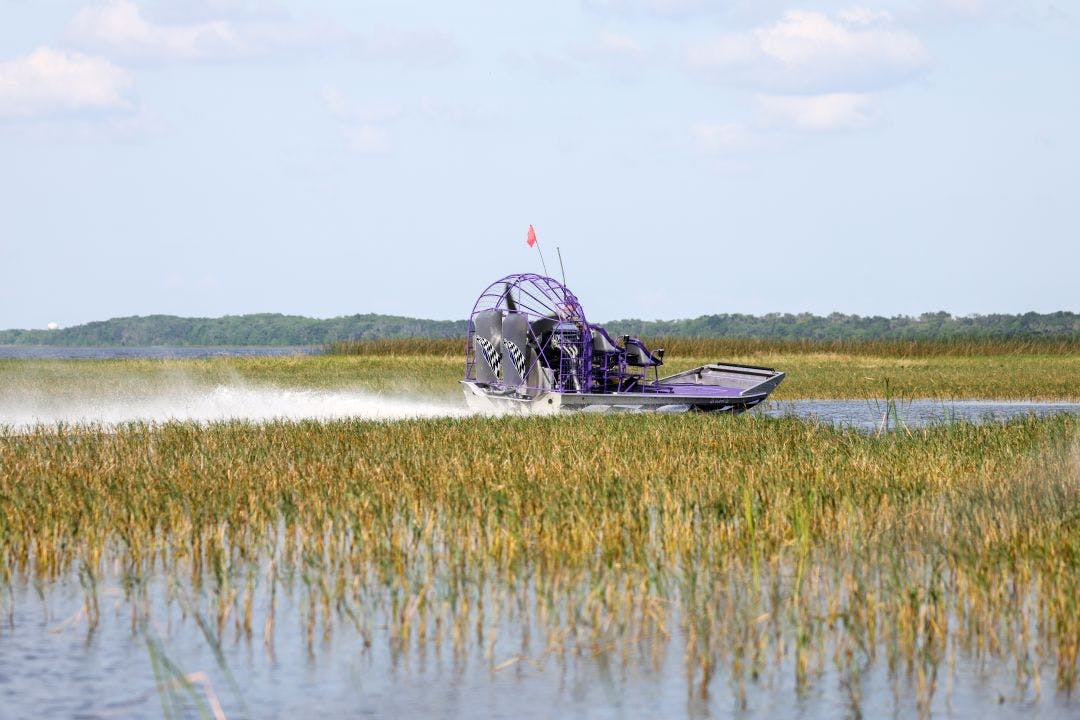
x,y
53,665
869,414
48,352
261,403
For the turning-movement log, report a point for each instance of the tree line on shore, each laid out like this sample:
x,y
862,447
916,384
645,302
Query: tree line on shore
x,y
279,330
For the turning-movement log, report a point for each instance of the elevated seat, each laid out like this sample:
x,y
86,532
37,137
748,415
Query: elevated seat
x,y
637,355
601,341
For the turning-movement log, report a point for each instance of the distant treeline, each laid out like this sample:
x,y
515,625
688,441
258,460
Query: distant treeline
x,y
804,326
261,329
717,348
273,329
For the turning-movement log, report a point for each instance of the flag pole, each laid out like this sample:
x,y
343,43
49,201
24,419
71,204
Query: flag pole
x,y
561,268
531,239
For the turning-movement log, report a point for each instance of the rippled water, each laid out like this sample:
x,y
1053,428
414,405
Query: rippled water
x,y
261,403
871,414
49,352
53,666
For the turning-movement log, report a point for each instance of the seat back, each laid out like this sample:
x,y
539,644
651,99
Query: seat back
x,y
601,341
639,356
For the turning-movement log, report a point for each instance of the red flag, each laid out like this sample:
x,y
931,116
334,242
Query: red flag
x,y
531,237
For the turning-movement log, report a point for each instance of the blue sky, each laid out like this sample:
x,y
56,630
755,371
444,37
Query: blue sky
x,y
328,158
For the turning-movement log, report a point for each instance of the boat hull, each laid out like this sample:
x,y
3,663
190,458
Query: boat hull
x,y
709,388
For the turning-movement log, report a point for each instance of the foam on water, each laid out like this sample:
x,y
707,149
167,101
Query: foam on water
x,y
223,402
178,399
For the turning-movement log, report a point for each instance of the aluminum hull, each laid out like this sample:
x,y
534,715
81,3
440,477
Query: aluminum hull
x,y
709,388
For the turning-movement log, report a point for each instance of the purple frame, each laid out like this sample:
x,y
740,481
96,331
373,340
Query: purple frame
x,y
539,297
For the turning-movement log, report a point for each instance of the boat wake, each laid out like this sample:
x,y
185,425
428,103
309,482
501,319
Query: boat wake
x,y
220,403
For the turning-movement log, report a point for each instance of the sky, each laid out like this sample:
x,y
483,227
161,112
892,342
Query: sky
x,y
689,157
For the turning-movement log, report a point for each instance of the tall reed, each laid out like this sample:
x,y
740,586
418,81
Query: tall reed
x,y
719,347
754,543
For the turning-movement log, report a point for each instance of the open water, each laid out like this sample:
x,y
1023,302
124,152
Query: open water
x,y
871,414
53,664
265,403
48,352
262,403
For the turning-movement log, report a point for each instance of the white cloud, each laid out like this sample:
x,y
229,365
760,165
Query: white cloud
x,y
788,113
817,113
53,82
809,52
119,29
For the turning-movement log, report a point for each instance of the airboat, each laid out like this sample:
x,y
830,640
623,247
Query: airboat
x,y
531,350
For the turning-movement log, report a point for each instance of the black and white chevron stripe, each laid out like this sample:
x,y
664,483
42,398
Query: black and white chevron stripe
x,y
490,354
516,355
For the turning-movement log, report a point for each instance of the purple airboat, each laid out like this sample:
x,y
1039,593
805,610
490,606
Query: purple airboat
x,y
531,350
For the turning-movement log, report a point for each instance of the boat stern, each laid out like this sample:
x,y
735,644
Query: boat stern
x,y
483,399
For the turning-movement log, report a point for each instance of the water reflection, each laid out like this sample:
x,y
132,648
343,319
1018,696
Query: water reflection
x,y
791,638
871,414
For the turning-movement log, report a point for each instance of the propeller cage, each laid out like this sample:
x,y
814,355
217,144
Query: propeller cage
x,y
527,335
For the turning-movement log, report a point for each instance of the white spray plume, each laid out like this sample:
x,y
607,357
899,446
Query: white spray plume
x,y
224,402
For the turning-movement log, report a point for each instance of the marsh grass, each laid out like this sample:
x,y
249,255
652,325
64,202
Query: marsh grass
x,y
1000,368
719,347
1049,376
760,545
134,377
